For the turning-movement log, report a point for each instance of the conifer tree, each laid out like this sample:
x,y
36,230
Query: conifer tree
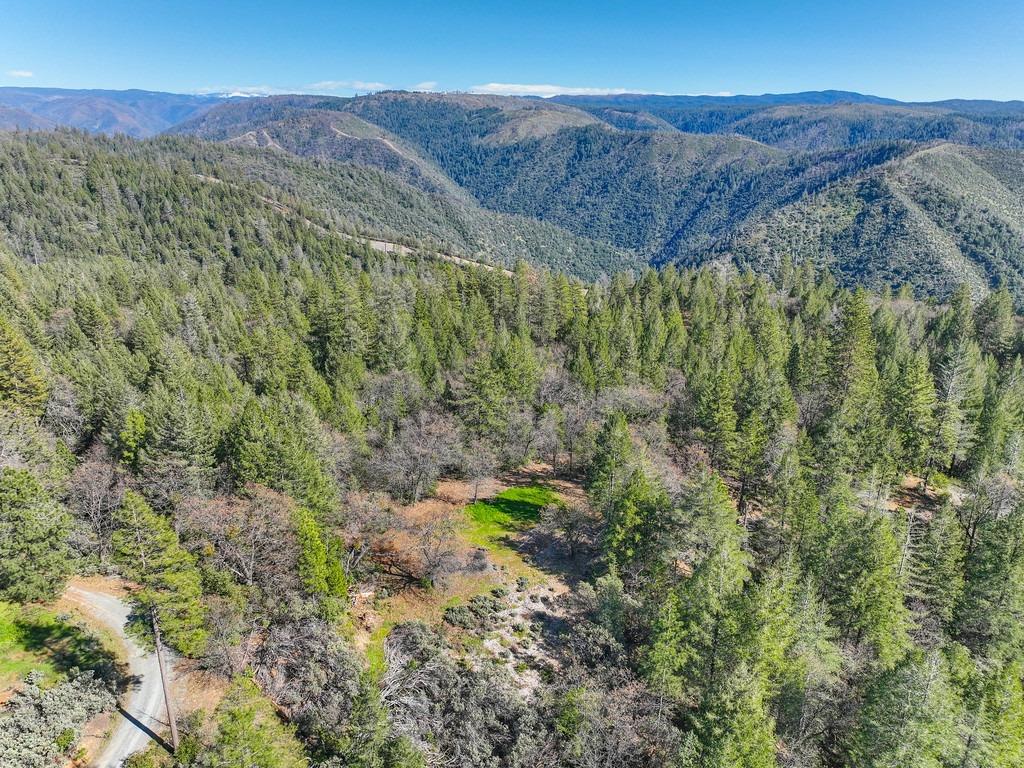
x,y
853,425
22,382
990,615
693,648
613,462
909,719
150,554
857,567
34,555
939,572
914,410
717,416
249,733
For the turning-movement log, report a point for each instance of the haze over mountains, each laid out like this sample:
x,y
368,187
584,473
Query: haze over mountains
x,y
879,191
135,113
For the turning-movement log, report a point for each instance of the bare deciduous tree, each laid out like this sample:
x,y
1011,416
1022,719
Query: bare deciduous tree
x,y
479,463
251,536
410,463
95,491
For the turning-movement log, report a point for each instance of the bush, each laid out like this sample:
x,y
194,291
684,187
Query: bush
x,y
477,613
39,727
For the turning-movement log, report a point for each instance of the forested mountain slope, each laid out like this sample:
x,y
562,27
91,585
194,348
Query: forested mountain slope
x,y
938,216
65,194
858,186
800,544
829,120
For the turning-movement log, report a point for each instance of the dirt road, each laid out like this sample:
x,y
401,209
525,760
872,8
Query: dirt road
x,y
142,713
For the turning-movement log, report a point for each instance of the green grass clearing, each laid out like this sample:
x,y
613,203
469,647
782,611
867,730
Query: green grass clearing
x,y
490,523
32,637
512,510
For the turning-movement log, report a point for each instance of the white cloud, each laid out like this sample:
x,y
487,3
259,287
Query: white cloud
x,y
242,90
427,85
347,85
19,73
542,89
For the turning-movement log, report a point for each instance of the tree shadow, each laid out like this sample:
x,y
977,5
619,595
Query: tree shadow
x,y
69,647
520,512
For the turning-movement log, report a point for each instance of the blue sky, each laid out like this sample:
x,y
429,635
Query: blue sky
x,y
914,50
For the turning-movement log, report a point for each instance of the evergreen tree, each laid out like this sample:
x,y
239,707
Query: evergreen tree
x,y
693,648
852,431
148,551
22,382
989,617
939,572
857,567
909,719
717,416
248,733
34,555
914,411
612,464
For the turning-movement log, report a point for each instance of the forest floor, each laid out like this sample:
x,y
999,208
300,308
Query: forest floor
x,y
496,541
51,640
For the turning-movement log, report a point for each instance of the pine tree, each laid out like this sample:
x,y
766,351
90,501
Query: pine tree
x,y
22,382
630,517
693,648
988,618
131,437
857,567
995,730
749,731
994,322
717,416
148,551
613,463
749,458
909,719
34,554
249,733
178,455
914,404
278,443
484,404
939,571
853,425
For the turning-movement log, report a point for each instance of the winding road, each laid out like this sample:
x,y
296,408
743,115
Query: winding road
x,y
142,715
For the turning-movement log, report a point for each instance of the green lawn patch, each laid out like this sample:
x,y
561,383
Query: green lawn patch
x,y
512,510
32,637
491,521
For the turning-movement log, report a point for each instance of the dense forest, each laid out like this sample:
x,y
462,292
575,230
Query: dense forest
x,y
880,194
822,120
798,538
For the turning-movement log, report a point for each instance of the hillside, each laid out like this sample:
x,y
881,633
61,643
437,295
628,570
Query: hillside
x,y
934,218
97,195
596,184
394,510
825,120
14,119
636,182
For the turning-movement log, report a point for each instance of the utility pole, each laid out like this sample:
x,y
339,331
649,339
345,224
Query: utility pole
x,y
163,682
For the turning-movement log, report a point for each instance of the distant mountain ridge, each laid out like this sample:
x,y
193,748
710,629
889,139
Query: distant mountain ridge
x,y
881,192
839,183
135,113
